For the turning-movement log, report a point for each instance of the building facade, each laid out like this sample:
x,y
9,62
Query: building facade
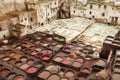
x,y
102,11
46,10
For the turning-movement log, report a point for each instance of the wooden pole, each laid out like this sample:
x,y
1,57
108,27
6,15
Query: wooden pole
x,y
109,57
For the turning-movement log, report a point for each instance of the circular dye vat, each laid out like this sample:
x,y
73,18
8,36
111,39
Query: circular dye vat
x,y
44,51
81,45
24,58
38,49
88,57
80,60
32,70
45,44
24,44
30,61
43,34
116,76
17,56
52,68
118,52
6,59
70,74
85,51
64,78
77,52
18,63
11,76
53,43
89,47
45,57
11,61
19,78
37,37
82,78
18,48
49,52
2,55
78,48
61,39
44,74
57,38
116,68
87,64
12,54
49,39
4,72
28,50
24,66
54,77
117,58
76,64
65,61
67,49
58,59
117,63
34,53
101,63
70,46
85,70
58,46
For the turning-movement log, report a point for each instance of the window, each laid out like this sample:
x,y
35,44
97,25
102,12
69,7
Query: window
x,y
74,11
105,6
42,24
31,19
91,6
90,12
0,29
99,5
48,20
30,27
25,19
55,3
103,14
4,36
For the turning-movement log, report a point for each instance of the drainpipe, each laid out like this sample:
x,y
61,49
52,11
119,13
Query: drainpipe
x,y
15,5
26,6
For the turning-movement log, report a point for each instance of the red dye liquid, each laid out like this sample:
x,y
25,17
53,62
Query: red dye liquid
x,y
32,70
66,62
45,57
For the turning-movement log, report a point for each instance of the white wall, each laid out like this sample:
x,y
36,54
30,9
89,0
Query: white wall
x,y
2,33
